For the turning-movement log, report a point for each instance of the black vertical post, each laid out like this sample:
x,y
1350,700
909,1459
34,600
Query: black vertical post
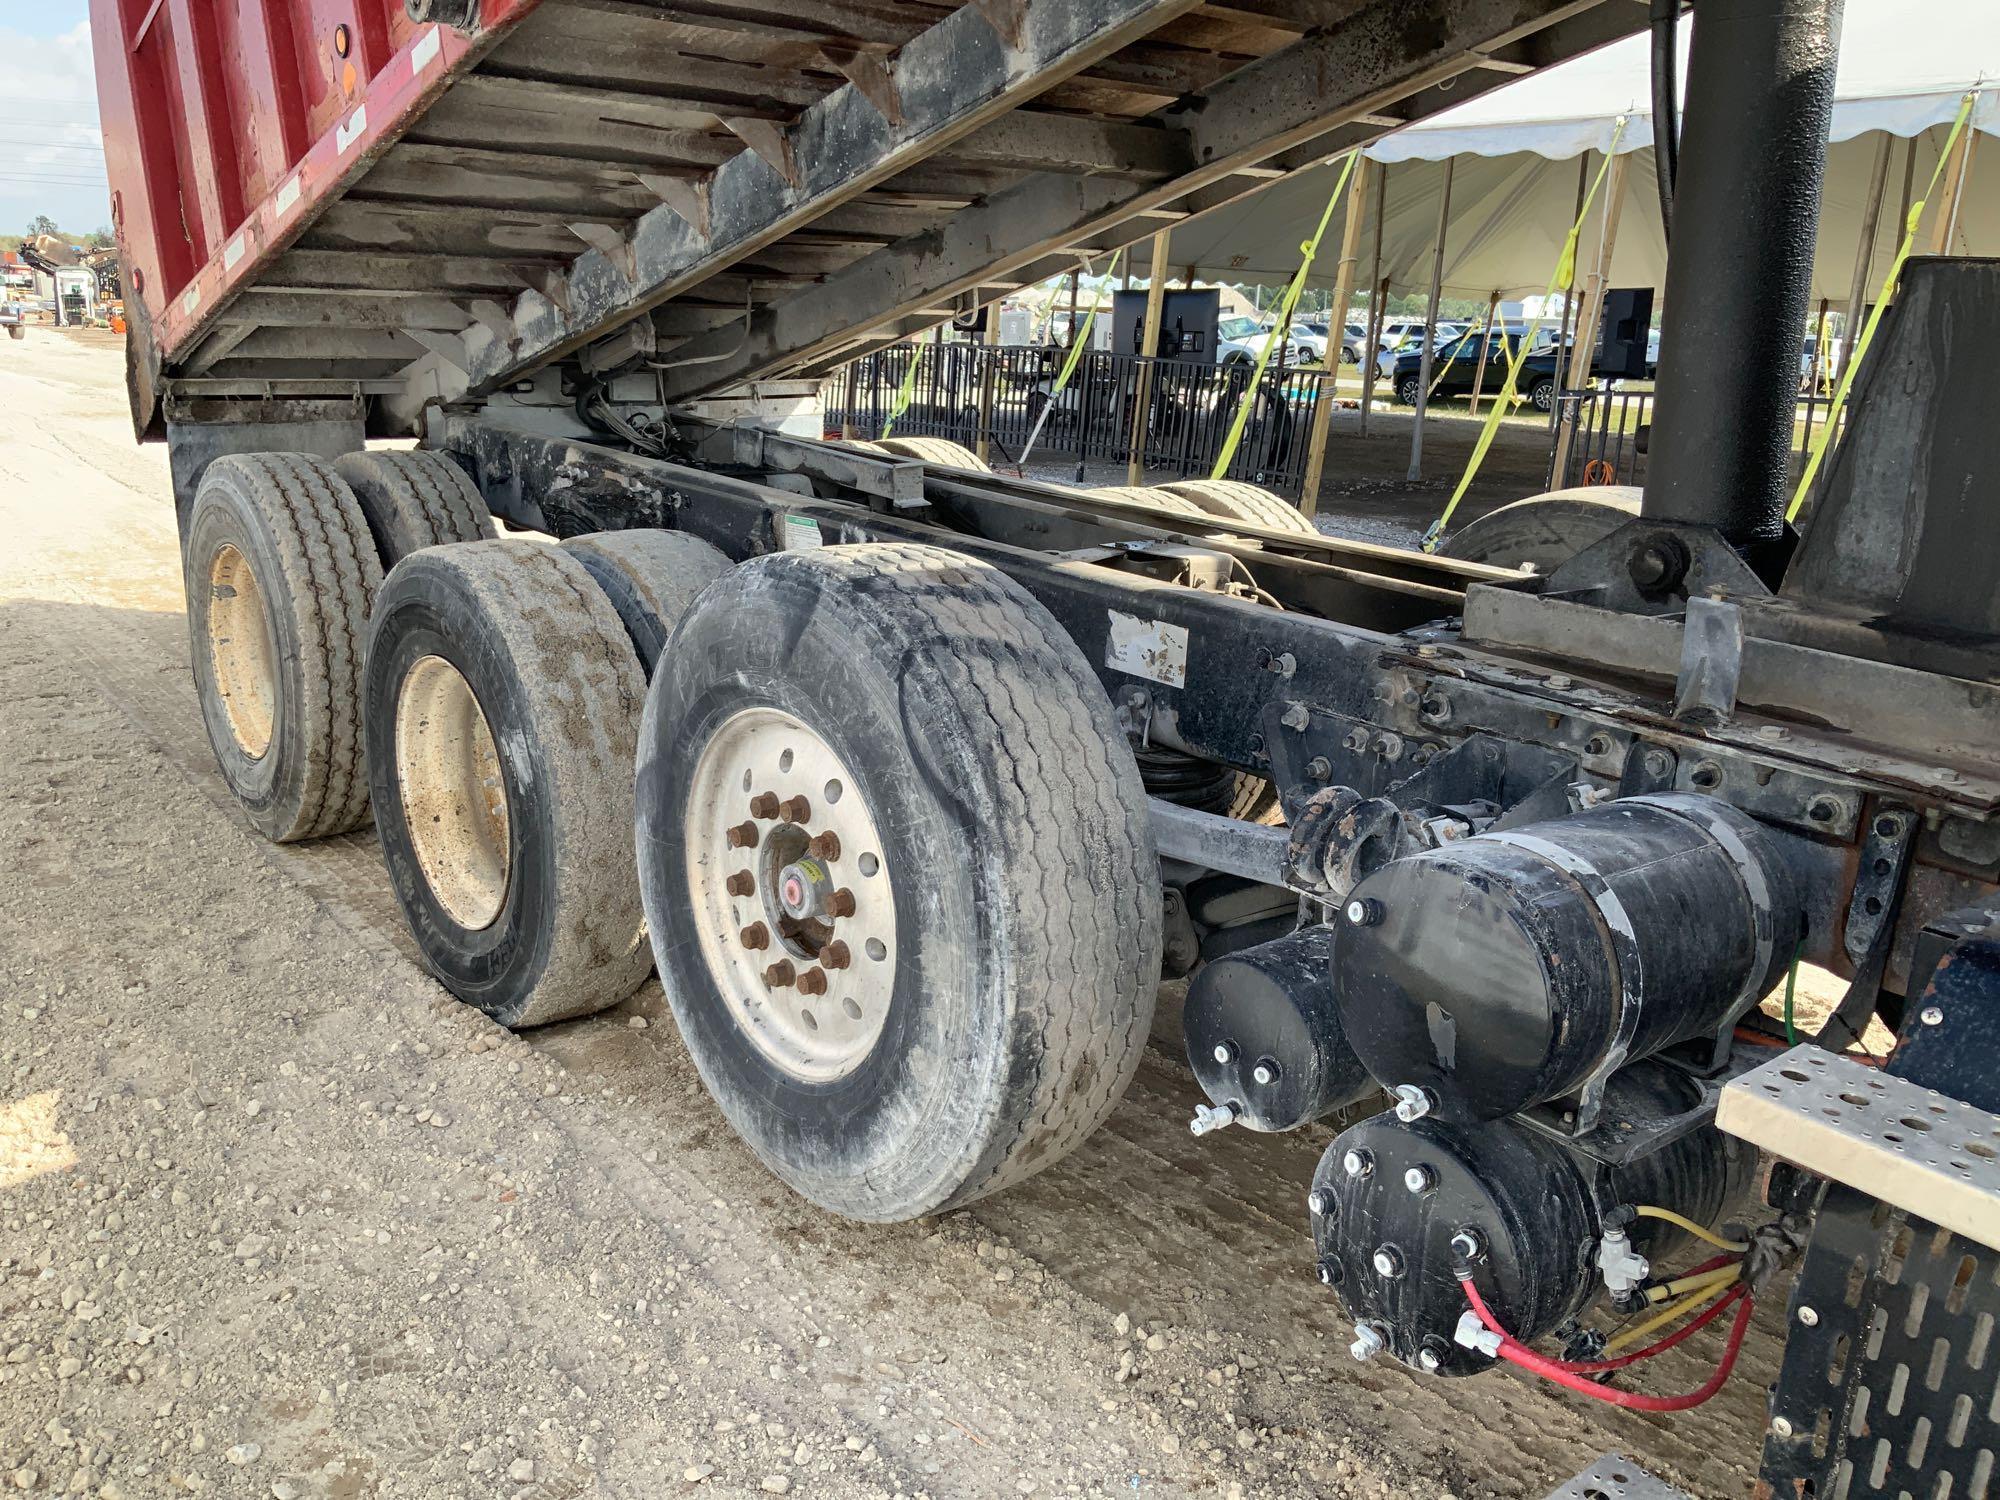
x,y
1746,210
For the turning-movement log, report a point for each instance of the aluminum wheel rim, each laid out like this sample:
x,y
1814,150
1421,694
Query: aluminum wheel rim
x,y
454,795
812,991
241,658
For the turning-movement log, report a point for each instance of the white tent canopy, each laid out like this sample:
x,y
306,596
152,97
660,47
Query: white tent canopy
x,y
1520,153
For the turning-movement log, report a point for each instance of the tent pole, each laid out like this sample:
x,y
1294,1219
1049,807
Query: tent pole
x,y
1814,371
1945,226
1149,348
1585,341
1485,338
1864,256
1336,333
1569,292
1378,293
1430,328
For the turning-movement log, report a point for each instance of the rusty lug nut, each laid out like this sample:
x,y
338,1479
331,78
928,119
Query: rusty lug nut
x,y
743,836
756,936
795,810
825,845
841,903
741,883
780,975
812,982
835,955
764,805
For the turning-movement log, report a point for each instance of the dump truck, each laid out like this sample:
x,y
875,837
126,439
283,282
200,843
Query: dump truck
x,y
911,780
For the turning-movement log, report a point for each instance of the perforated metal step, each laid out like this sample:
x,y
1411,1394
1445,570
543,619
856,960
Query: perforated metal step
x,y
1616,1477
1922,1151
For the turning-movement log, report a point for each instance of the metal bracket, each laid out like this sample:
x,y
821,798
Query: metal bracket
x,y
1711,661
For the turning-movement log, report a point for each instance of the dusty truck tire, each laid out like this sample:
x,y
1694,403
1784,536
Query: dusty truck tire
x,y
280,576
503,703
1233,500
887,769
650,577
1545,531
415,500
930,450
1148,496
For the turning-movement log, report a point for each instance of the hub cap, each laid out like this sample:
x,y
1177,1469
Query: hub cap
x,y
454,796
240,653
792,900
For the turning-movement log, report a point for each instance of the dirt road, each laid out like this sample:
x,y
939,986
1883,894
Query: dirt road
x,y
280,1218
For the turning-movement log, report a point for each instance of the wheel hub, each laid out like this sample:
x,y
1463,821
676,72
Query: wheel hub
x,y
454,796
792,899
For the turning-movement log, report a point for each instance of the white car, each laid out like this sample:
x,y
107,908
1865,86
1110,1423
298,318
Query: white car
x,y
1406,341
1241,339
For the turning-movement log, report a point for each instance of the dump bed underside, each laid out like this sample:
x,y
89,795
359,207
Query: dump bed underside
x,y
749,190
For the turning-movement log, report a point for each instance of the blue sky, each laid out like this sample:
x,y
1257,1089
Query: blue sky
x,y
50,160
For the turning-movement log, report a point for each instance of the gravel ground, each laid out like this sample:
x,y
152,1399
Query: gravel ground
x,y
279,1218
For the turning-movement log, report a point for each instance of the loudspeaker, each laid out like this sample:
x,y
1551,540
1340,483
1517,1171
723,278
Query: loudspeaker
x,y
1621,339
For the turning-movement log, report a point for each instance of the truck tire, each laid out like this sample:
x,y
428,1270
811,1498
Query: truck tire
x,y
1543,532
1233,500
931,450
1149,496
503,700
650,577
280,575
415,500
1254,799
900,872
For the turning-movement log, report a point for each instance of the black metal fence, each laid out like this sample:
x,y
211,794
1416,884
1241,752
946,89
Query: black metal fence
x,y
1608,424
1192,406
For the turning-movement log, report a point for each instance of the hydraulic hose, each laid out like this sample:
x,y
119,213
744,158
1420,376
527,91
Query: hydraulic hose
x,y
1666,108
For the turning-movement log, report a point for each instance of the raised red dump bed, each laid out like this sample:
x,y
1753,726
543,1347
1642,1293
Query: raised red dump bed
x,y
421,200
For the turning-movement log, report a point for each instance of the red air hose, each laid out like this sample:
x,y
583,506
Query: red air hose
x,y
1517,1353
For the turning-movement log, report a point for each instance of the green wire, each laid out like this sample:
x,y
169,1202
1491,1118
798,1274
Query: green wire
x,y
1791,991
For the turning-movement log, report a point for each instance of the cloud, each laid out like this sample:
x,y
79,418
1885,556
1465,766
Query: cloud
x,y
50,159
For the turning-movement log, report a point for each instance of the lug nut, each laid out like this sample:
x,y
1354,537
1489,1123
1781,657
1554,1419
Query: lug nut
x,y
780,975
1430,1360
1225,1053
825,845
743,836
1357,1163
1419,1180
813,982
756,936
1364,912
841,903
764,805
835,955
1388,1262
1265,1073
795,810
1317,1200
740,883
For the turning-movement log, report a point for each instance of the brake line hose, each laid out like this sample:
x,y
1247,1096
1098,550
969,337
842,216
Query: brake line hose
x,y
1552,1370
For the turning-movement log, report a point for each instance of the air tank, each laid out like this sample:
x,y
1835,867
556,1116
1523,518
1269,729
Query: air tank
x,y
1507,970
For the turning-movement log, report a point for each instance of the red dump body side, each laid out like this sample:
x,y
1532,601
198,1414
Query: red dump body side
x,y
229,124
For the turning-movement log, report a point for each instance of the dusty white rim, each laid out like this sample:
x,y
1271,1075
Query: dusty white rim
x,y
454,796
792,897
241,657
